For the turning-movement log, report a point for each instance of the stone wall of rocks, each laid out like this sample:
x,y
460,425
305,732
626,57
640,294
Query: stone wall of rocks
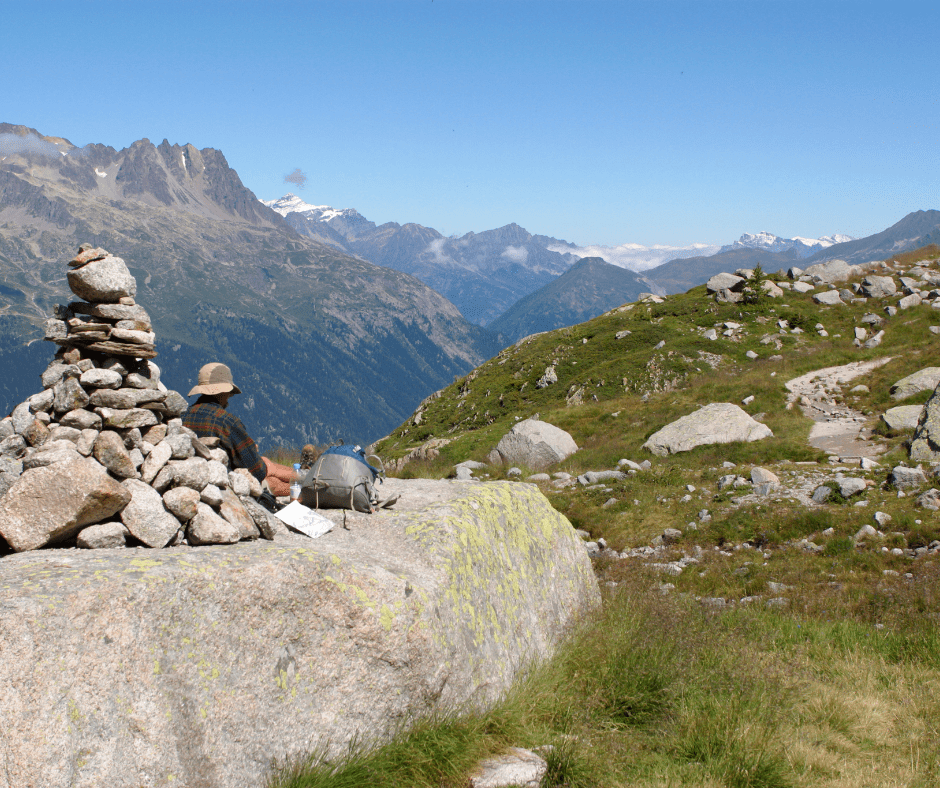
x,y
100,455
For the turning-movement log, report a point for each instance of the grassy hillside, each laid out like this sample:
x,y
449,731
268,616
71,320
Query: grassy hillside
x,y
762,644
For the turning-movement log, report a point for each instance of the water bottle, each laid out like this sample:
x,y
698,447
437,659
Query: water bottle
x,y
295,485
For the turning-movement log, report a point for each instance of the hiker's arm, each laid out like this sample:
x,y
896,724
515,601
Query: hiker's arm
x,y
245,452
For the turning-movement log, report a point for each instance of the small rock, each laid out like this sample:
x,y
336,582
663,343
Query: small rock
x,y
904,478
517,768
882,519
763,476
849,486
821,494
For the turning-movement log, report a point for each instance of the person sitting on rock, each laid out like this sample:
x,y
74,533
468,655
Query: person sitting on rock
x,y
208,418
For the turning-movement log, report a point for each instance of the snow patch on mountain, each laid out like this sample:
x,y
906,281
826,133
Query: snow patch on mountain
x,y
637,257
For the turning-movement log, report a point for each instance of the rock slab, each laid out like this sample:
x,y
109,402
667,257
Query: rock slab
x,y
925,445
199,666
720,422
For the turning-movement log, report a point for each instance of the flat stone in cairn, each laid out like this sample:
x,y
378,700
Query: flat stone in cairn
x,y
125,419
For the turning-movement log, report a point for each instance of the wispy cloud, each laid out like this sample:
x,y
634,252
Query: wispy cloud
x,y
297,177
637,257
436,249
30,145
516,254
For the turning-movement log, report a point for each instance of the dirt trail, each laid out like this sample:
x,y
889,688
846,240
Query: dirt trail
x,y
838,429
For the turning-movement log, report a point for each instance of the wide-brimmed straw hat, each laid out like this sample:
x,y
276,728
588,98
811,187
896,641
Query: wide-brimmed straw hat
x,y
215,378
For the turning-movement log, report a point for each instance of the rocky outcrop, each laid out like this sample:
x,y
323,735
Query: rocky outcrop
x,y
720,422
903,417
198,666
922,380
925,445
535,444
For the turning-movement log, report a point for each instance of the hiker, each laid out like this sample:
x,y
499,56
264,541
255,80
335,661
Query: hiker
x,y
208,418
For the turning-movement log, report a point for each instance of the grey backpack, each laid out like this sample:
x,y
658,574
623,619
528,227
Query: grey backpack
x,y
342,478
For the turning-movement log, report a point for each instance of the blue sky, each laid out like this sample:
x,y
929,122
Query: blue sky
x,y
596,122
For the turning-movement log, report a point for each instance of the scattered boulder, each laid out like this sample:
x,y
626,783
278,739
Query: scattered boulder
x,y
593,477
878,287
903,417
830,272
828,298
535,444
725,281
929,500
547,379
904,478
922,380
851,486
720,422
763,476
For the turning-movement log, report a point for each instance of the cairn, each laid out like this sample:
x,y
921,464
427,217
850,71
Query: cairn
x,y
100,455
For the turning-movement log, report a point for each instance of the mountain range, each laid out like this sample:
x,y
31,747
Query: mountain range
x,y
324,344
917,229
482,274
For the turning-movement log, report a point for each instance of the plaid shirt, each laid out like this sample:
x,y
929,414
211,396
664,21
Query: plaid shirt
x,y
209,419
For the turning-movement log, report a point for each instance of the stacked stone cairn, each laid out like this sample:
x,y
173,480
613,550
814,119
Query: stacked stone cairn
x,y
100,457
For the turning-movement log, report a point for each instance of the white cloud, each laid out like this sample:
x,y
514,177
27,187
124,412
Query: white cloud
x,y
516,254
637,257
13,144
436,249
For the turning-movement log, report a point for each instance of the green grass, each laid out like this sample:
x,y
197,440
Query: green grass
x,y
657,690
837,688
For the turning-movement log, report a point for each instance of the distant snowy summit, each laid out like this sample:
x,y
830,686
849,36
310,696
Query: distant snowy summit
x,y
291,203
768,242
